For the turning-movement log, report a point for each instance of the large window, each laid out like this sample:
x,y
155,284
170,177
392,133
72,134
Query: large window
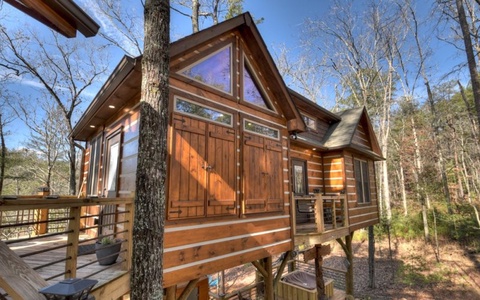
x,y
362,182
215,70
112,164
252,92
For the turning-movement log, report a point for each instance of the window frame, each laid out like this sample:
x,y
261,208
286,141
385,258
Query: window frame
x,y
362,181
303,165
279,134
94,169
177,98
247,67
304,116
203,59
116,135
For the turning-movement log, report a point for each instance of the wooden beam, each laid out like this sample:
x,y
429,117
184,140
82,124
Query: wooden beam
x,y
58,21
188,289
171,292
285,260
260,268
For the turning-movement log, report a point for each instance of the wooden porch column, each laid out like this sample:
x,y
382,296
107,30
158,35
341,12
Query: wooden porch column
x,y
265,268
72,251
268,263
42,228
371,256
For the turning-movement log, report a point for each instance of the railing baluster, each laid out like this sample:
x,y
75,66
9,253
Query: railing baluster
x,y
73,236
129,208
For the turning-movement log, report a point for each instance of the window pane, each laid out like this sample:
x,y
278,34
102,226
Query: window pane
x,y
358,180
251,93
112,167
202,112
215,71
94,165
260,129
310,122
366,188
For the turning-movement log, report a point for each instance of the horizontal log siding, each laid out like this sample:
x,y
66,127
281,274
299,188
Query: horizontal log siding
x,y
191,251
364,214
361,138
314,166
333,168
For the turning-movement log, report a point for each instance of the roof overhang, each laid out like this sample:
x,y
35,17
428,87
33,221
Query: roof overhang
x,y
63,16
122,85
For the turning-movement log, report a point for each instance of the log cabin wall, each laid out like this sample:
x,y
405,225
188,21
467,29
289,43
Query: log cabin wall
x,y
314,164
334,170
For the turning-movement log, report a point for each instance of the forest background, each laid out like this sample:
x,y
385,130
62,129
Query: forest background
x,y
404,60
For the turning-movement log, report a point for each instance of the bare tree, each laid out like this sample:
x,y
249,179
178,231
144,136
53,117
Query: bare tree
x,y
151,176
207,9
63,68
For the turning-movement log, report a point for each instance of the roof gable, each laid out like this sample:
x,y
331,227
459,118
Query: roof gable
x,y
353,131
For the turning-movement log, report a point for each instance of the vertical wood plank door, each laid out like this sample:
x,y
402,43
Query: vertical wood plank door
x,y
221,176
262,174
254,174
188,175
274,169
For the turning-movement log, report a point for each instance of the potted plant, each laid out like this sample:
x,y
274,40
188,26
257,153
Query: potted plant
x,y
107,250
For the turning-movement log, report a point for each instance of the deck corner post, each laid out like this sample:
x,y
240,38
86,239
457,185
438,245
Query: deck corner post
x,y
72,242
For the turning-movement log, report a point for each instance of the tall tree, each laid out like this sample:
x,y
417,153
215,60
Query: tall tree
x,y
472,63
63,68
149,221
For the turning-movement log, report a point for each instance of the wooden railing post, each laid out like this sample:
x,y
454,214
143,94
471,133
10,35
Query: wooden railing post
x,y
319,213
42,228
129,208
72,241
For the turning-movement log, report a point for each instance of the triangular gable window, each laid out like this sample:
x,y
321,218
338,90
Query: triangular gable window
x,y
251,92
215,70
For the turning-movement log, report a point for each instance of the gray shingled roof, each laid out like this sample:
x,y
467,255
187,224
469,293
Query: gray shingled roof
x,y
341,133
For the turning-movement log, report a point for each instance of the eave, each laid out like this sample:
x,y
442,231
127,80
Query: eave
x,y
63,16
122,85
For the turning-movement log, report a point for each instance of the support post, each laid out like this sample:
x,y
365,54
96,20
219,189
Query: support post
x,y
347,248
171,292
371,257
72,240
268,263
319,272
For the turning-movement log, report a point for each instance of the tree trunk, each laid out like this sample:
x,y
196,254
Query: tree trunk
x,y
195,12
3,154
151,178
472,64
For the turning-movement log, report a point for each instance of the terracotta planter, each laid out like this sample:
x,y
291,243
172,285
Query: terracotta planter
x,y
107,254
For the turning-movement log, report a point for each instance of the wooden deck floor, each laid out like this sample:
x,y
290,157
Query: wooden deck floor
x,y
100,273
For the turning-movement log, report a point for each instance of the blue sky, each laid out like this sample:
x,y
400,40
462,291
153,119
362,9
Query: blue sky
x,y
282,25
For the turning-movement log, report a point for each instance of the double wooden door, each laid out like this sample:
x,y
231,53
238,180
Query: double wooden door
x,y
202,169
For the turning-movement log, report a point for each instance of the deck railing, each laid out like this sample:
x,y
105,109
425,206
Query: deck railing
x,y
320,213
56,235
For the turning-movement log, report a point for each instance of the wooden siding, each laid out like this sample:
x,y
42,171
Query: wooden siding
x,y
213,246
333,168
361,137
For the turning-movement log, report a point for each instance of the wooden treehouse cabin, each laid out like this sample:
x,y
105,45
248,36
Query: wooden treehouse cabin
x,y
255,170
